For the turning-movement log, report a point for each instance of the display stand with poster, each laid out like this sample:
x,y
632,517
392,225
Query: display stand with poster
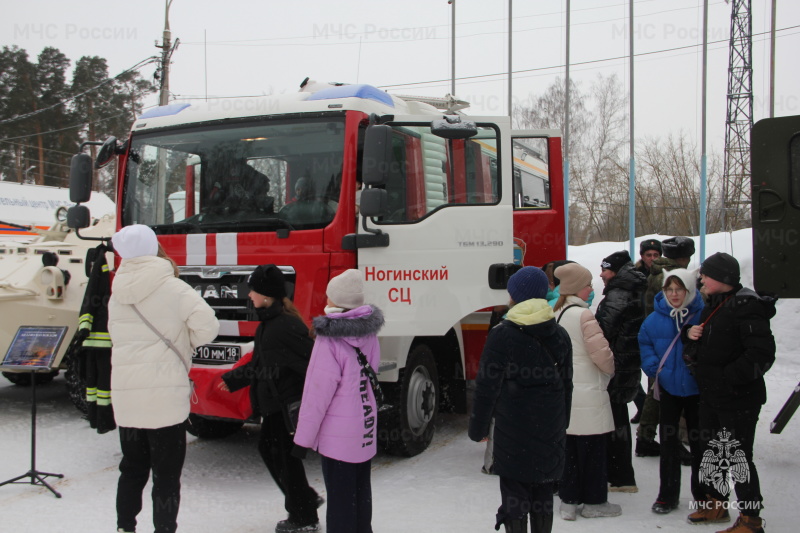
x,y
33,350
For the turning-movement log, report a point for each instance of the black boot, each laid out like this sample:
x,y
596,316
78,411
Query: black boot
x,y
647,448
685,455
519,525
541,523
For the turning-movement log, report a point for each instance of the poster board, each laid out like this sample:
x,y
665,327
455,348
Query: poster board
x,y
33,348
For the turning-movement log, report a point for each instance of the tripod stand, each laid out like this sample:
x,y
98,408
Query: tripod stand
x,y
36,477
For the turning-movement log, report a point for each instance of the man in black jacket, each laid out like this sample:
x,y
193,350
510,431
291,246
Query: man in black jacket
x,y
731,350
620,315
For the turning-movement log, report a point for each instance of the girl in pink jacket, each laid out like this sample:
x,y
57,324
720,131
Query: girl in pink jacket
x,y
339,414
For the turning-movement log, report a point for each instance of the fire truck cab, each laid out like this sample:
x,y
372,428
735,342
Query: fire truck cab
x,y
433,207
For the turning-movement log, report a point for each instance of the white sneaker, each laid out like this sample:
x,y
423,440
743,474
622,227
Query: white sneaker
x,y
601,510
569,511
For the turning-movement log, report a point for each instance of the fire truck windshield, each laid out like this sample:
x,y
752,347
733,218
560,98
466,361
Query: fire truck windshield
x,y
250,176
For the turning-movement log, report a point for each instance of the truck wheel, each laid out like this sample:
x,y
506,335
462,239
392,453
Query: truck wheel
x,y
407,429
211,428
23,379
76,386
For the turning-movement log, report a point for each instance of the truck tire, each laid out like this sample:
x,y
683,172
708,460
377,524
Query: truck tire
x,y
23,379
407,428
212,428
76,385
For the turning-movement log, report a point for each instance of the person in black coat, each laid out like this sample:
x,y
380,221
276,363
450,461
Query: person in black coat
x,y
620,314
525,384
730,351
276,376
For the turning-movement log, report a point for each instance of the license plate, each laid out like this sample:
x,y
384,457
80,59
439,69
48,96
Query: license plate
x,y
219,354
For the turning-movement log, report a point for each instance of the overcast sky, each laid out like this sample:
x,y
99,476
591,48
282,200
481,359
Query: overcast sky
x,y
241,47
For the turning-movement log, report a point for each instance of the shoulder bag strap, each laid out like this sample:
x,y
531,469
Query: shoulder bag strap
x,y
558,321
656,388
373,378
160,336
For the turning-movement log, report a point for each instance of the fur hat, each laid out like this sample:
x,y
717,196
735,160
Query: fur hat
x,y
268,280
616,261
574,277
528,283
649,244
347,289
135,241
678,247
721,267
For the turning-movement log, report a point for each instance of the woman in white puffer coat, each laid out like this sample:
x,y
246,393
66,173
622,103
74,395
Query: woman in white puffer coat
x,y
149,379
585,474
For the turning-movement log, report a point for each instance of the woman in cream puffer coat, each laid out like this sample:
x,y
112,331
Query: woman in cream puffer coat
x,y
585,475
149,381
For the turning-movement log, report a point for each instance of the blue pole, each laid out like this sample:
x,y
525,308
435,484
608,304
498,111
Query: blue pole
x,y
703,188
632,205
632,170
566,207
703,184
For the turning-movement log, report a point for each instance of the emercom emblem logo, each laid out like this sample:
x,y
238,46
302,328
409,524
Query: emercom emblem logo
x,y
720,461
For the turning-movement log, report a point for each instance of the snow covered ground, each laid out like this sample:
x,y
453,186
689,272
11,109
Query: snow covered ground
x,y
227,489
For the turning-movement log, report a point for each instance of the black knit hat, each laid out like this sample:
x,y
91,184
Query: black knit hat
x,y
721,267
678,247
616,260
649,244
268,280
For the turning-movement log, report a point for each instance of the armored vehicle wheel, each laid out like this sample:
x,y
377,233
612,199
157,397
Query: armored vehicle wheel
x,y
76,385
212,428
407,429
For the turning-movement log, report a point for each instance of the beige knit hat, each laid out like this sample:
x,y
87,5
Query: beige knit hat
x,y
347,289
574,277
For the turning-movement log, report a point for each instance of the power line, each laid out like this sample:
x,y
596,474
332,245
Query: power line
x,y
138,65
353,34
36,148
593,61
82,124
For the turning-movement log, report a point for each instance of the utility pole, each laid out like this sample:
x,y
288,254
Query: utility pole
x,y
510,42
566,138
453,48
167,48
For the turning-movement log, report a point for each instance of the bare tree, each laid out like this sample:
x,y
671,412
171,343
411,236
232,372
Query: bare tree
x,y
667,192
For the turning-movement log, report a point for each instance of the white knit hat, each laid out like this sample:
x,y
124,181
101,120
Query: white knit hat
x,y
347,289
689,280
135,241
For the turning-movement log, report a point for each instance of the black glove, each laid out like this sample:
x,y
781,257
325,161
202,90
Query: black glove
x,y
299,451
81,335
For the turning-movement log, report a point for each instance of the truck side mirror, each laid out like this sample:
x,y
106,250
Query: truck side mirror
x,y
374,202
452,127
377,155
80,179
107,152
78,217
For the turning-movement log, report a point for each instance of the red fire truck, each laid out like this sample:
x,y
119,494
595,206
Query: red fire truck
x,y
434,207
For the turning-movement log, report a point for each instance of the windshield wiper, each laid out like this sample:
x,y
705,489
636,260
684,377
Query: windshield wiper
x,y
176,228
256,223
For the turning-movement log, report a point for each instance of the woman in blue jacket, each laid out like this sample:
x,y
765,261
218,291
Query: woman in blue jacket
x,y
676,306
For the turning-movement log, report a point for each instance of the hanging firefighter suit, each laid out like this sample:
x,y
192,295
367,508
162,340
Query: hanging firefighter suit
x,y
95,341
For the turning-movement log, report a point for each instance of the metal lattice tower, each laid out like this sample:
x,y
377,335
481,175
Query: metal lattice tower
x,y
739,122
